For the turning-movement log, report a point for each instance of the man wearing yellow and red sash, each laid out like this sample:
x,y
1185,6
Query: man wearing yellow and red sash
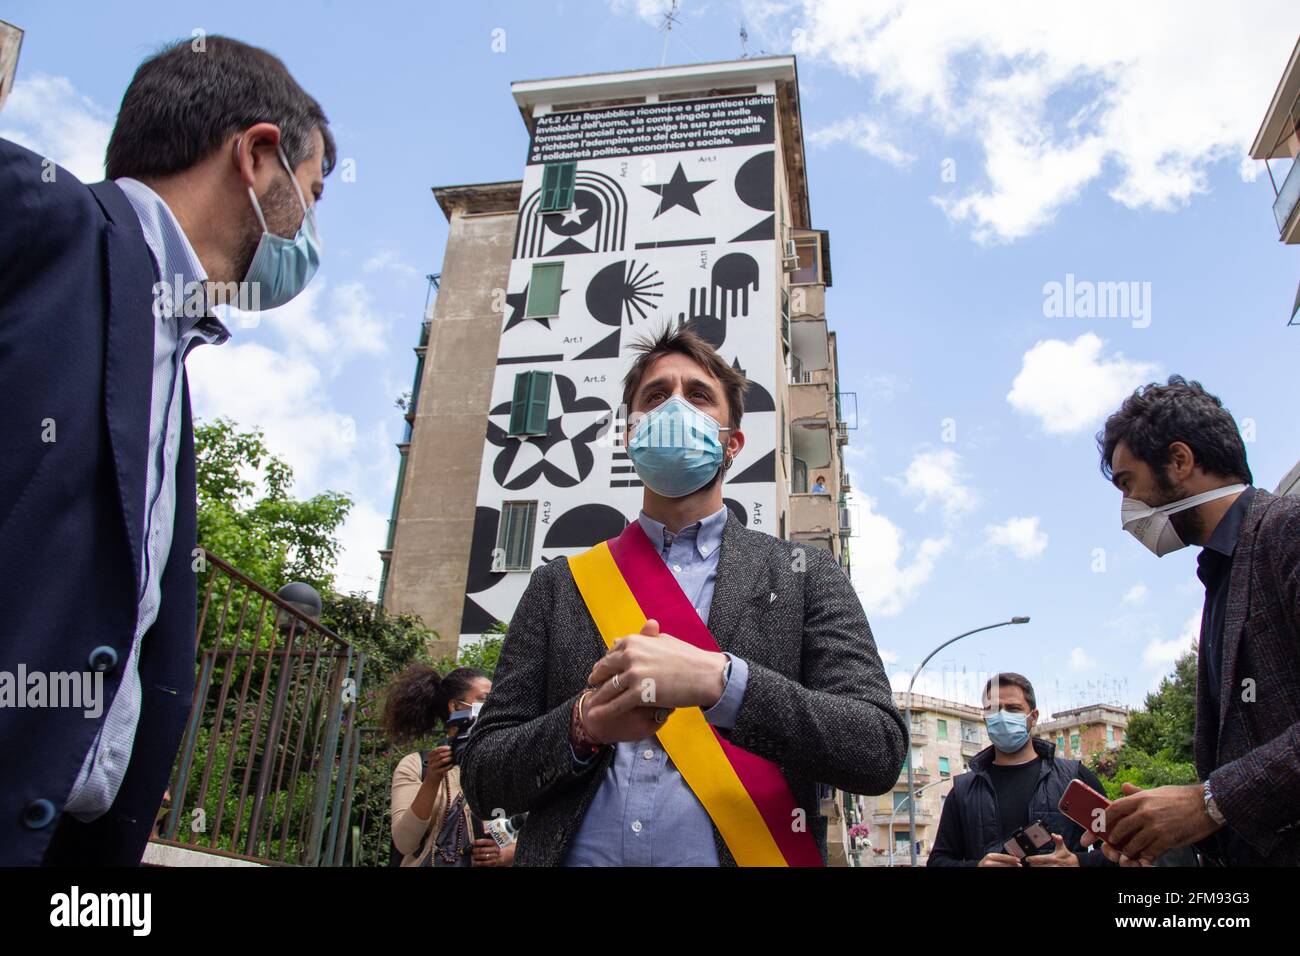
x,y
675,695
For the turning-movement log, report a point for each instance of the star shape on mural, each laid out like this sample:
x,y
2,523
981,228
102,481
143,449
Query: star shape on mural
x,y
515,302
573,214
678,191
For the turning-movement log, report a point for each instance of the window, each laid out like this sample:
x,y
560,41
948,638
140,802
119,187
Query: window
x,y
1060,742
1074,743
900,800
1110,736
557,186
785,319
943,729
544,291
514,550
809,266
799,480
917,757
943,767
531,404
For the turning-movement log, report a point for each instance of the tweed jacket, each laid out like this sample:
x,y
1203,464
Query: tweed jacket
x,y
1249,749
817,702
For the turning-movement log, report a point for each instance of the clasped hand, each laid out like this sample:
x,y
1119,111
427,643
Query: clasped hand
x,y
641,676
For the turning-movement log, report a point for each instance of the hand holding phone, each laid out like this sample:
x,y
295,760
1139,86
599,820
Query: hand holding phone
x,y
1029,840
1086,807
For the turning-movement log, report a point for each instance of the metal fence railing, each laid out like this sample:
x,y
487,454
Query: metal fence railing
x,y
268,762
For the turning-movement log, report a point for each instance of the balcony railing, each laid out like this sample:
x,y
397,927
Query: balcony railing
x,y
1287,197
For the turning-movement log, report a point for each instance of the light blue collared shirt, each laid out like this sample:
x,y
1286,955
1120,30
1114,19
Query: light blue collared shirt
x,y
643,813
105,763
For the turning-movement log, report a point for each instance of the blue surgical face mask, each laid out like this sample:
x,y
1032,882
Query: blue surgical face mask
x,y
1008,732
675,448
281,268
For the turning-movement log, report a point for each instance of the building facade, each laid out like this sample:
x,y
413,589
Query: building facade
x,y
1084,732
648,198
945,735
1279,139
11,41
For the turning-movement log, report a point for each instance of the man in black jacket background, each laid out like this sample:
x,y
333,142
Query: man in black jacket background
x,y
1016,781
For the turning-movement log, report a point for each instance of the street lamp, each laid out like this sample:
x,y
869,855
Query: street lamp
x,y
910,798
911,804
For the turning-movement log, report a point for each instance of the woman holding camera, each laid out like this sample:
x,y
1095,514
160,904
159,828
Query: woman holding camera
x,y
432,824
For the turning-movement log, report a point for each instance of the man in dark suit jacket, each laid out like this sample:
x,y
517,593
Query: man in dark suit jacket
x,y
1175,449
97,485
798,682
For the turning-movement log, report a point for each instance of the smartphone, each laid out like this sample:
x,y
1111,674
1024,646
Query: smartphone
x,y
1085,806
1030,840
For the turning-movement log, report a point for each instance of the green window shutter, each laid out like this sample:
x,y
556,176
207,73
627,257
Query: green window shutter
x,y
943,729
564,189
943,765
550,184
539,403
515,535
544,290
557,186
519,404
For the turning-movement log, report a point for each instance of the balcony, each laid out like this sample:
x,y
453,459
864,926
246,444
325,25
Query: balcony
x,y
810,513
970,748
917,732
810,343
881,818
811,399
1284,205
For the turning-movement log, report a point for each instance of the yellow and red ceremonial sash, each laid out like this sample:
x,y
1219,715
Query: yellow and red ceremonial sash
x,y
624,582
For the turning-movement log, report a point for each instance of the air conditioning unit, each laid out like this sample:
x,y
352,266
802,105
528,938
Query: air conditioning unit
x,y
790,257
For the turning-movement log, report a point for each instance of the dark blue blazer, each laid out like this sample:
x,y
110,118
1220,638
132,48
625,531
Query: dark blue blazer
x,y
76,357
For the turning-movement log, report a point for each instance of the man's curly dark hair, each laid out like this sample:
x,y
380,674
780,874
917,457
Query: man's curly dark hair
x,y
1155,416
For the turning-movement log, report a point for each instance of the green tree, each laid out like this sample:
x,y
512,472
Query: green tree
x,y
1158,738
1167,724
248,518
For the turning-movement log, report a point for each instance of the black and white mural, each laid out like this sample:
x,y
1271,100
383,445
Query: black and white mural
x,y
672,221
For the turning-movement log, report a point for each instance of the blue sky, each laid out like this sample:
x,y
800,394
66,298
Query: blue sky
x,y
962,156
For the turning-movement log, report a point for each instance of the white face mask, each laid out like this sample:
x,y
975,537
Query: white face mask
x,y
1152,527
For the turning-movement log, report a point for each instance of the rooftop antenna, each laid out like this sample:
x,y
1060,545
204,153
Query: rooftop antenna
x,y
744,42
669,19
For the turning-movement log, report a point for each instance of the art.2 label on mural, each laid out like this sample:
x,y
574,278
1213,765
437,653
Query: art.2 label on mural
x,y
652,128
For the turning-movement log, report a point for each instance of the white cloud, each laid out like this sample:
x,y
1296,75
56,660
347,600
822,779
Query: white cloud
x,y
364,532
389,260
330,322
938,477
1071,386
48,116
1137,594
886,580
290,401
258,387
888,657
1021,536
1080,661
864,133
1056,97
1162,654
